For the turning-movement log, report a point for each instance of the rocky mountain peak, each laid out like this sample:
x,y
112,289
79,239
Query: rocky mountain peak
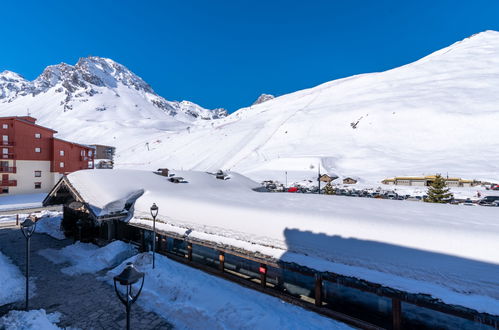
x,y
11,84
263,98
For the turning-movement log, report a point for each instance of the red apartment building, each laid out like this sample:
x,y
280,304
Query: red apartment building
x,y
32,160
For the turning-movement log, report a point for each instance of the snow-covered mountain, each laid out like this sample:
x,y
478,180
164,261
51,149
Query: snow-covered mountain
x,y
99,81
436,115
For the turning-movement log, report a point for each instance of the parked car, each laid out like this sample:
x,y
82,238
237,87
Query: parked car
x,y
489,201
468,202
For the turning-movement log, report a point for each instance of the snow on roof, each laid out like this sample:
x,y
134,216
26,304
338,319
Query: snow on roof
x,y
447,251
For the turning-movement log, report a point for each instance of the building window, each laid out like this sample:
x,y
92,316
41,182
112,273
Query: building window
x,y
38,136
61,164
38,150
5,126
82,152
90,153
38,185
90,164
38,174
61,152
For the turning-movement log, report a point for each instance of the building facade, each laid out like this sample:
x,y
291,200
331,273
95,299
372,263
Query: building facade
x,y
32,160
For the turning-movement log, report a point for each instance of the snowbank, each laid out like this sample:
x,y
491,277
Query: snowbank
x,y
31,320
12,282
50,223
452,247
191,299
89,258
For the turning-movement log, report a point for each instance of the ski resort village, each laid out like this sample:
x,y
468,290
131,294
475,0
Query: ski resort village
x,y
370,201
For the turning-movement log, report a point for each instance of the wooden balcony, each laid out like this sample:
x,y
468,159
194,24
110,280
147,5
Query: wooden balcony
x,y
7,169
8,183
83,158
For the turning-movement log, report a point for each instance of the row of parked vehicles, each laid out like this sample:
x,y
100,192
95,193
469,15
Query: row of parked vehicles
x,y
272,186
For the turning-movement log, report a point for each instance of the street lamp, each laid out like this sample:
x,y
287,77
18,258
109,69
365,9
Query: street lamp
x,y
154,213
128,277
28,227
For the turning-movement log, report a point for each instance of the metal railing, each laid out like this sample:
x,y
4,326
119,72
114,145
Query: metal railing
x,y
7,143
8,183
7,156
8,169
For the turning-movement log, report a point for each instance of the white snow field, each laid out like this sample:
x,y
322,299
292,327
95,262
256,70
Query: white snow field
x,y
447,251
89,258
12,282
15,202
191,299
436,115
31,320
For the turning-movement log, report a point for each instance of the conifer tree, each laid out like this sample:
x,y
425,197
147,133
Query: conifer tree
x,y
438,192
328,189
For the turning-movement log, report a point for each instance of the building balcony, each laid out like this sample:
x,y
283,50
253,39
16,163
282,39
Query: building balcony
x,y
7,143
7,156
8,183
7,169
83,158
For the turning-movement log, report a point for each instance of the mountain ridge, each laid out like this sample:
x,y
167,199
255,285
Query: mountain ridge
x,y
83,80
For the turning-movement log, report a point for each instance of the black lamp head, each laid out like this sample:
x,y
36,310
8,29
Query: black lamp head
x,y
154,210
27,223
130,275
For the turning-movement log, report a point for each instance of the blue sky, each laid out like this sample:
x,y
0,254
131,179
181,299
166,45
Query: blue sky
x,y
226,53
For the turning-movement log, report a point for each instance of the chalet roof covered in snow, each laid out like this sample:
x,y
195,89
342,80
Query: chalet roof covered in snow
x,y
448,251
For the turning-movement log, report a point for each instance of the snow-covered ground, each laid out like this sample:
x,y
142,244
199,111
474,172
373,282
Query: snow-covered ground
x,y
448,251
12,282
186,297
15,202
191,299
89,258
31,320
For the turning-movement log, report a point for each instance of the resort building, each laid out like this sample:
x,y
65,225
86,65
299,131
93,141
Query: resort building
x,y
427,181
32,160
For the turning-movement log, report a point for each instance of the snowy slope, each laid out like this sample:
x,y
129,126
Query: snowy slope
x,y
436,115
450,252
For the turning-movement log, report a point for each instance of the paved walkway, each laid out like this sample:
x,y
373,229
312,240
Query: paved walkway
x,y
84,301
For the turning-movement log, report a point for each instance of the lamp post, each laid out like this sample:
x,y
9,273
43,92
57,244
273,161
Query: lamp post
x,y
154,213
79,225
28,227
128,277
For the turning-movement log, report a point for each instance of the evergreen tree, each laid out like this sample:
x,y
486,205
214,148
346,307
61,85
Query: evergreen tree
x,y
438,192
328,189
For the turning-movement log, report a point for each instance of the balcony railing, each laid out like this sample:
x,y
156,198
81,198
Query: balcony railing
x,y
82,158
7,143
8,183
7,169
7,156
